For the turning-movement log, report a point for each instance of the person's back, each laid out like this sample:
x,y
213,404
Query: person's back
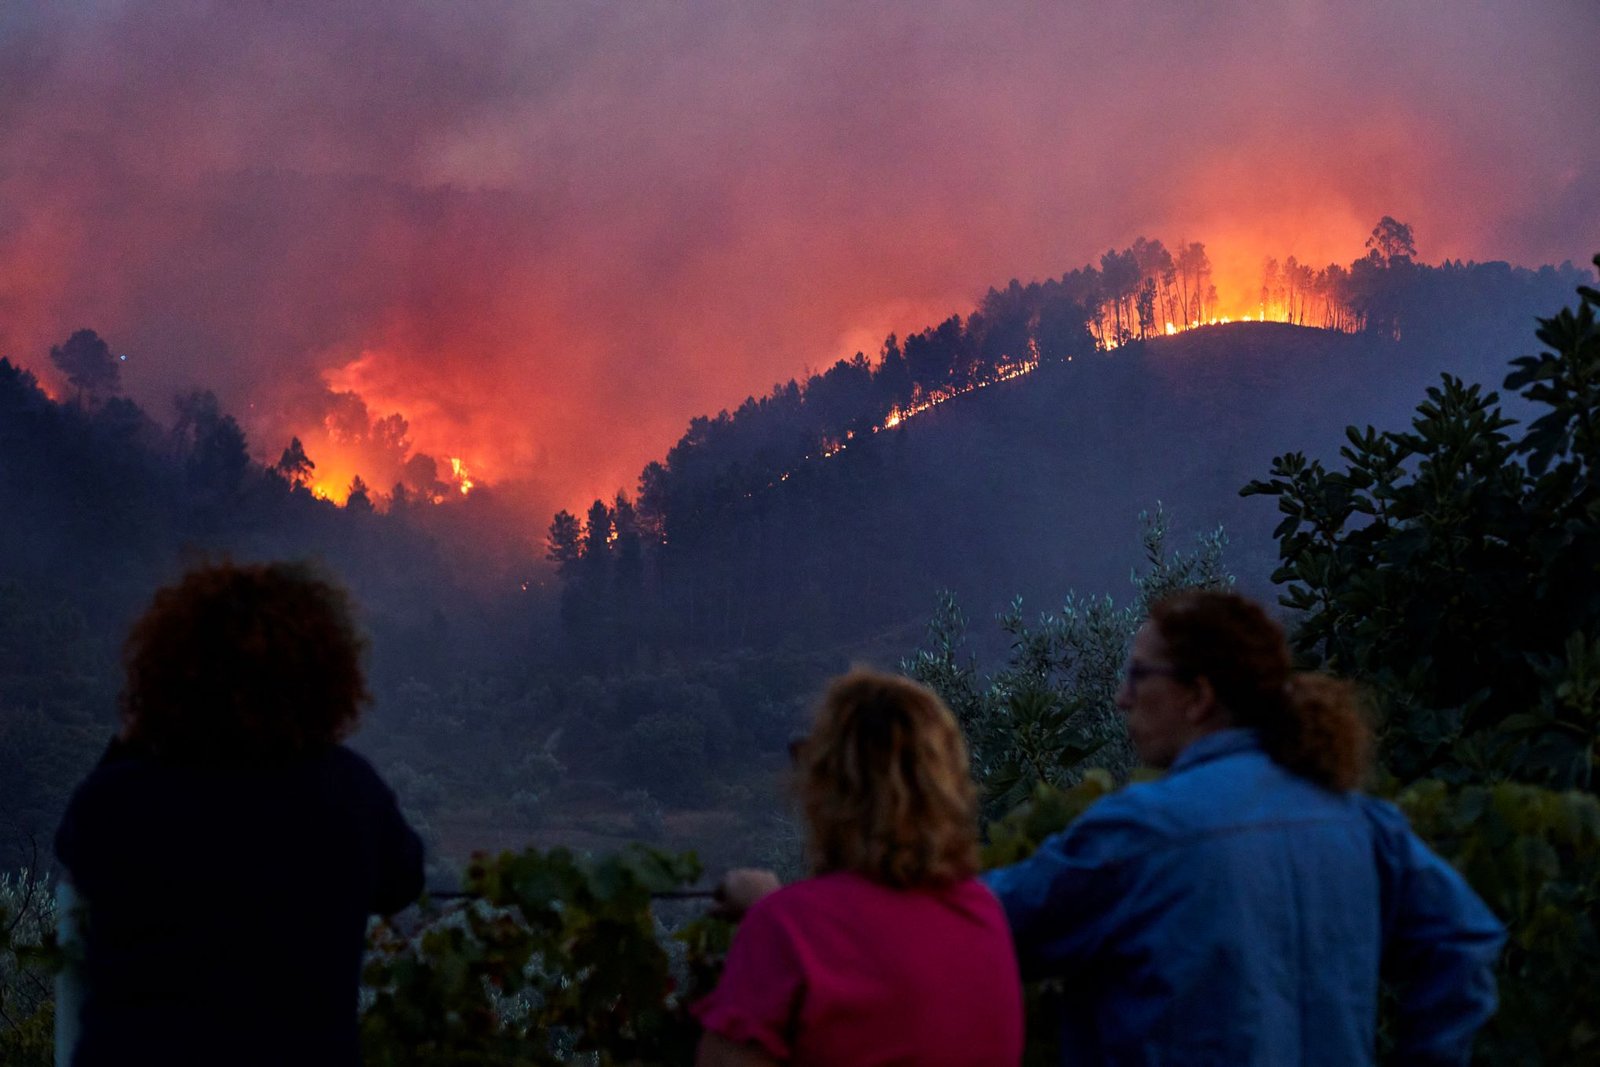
x,y
1241,910
228,850
892,953
228,911
859,973
1249,923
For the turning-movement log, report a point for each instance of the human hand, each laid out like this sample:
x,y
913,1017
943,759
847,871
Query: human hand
x,y
741,887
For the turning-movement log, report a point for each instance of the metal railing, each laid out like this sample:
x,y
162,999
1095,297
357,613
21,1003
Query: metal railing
x,y
69,979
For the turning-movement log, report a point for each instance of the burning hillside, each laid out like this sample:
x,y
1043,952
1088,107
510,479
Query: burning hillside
x,y
540,234
1141,292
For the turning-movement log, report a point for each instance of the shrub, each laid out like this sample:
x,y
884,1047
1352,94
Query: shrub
x,y
1533,855
666,754
1040,717
27,1006
552,955
1452,567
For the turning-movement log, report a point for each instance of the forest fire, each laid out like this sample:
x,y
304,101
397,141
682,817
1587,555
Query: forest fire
x,y
1123,302
458,471
1108,337
337,475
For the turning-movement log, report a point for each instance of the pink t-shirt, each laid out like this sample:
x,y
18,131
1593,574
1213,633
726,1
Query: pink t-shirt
x,y
841,971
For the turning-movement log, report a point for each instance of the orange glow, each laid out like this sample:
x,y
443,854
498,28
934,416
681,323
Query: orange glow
x,y
546,279
1003,372
458,471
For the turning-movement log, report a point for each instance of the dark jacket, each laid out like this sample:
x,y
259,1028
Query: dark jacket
x,y
226,911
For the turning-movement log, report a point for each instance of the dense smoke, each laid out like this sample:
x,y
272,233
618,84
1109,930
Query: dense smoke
x,y
545,235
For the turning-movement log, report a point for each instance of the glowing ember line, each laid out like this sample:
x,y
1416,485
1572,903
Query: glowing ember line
x,y
1003,372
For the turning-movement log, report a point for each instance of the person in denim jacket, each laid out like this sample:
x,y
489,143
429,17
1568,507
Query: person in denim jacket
x,y
1241,909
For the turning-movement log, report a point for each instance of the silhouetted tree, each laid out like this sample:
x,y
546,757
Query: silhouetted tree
x,y
1195,291
360,498
294,464
562,545
212,445
628,572
1391,241
892,381
1119,273
87,362
597,533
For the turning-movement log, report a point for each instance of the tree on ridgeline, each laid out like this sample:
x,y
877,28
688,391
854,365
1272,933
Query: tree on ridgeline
x,y
891,383
564,548
1291,290
87,362
294,464
1196,293
216,461
934,356
1332,289
1452,566
1154,298
360,496
712,496
1120,276
840,399
563,543
1391,241
1269,288
1381,283
1063,326
628,550
1005,324
596,533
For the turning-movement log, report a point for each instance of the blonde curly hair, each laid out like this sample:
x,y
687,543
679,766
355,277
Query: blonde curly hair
x,y
885,784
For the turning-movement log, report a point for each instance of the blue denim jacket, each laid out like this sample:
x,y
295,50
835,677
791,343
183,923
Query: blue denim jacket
x,y
1234,913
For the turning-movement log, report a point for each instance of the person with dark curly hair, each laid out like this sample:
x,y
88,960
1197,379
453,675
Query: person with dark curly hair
x,y
1241,909
228,849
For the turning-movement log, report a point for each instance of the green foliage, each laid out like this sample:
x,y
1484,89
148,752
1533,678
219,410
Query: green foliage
x,y
666,753
1452,568
551,955
1039,718
1534,856
1048,811
54,681
27,934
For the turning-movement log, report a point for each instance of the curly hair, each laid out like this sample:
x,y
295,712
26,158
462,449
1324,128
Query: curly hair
x,y
243,665
1310,723
885,785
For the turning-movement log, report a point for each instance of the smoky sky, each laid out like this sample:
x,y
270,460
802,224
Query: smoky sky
x,y
548,234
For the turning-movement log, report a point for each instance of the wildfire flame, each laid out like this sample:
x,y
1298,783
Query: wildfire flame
x,y
1006,372
458,471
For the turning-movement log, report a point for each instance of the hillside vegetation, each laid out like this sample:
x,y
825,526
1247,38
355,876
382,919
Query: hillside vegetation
x,y
827,507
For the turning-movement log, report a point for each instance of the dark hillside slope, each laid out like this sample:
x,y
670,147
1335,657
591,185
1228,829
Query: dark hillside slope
x,y
1048,474
1033,486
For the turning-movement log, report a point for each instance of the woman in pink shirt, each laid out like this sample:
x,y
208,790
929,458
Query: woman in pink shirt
x,y
892,952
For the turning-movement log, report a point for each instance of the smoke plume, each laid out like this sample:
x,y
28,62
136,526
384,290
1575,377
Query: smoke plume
x,y
545,235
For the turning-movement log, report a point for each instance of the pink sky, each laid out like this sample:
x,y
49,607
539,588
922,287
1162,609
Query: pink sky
x,y
548,235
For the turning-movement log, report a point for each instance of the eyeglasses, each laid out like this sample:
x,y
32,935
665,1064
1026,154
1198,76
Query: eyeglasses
x,y
1138,672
